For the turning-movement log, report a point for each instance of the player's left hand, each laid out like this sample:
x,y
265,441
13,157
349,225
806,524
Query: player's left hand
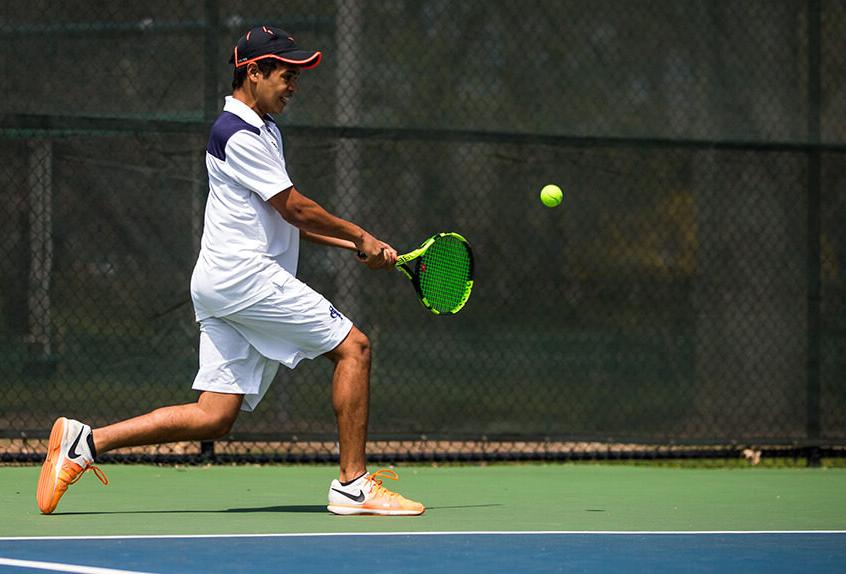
x,y
377,254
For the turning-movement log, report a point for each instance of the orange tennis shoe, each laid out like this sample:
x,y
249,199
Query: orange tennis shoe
x,y
69,454
366,495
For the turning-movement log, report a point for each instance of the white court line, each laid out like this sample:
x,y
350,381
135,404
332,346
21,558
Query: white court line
x,y
59,567
437,533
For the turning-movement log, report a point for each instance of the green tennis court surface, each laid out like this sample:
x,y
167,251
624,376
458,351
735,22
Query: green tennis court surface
x,y
569,497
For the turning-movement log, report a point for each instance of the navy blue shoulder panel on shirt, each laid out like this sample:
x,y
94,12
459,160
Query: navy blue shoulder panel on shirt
x,y
226,125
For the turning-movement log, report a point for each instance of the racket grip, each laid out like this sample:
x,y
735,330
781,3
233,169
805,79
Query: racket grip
x,y
360,255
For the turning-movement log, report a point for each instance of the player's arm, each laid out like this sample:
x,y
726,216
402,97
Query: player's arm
x,y
326,240
321,226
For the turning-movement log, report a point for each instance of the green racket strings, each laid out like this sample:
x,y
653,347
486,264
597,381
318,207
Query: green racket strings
x,y
445,274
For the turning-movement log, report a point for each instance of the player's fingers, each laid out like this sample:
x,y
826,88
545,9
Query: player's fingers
x,y
390,257
375,261
389,253
372,261
382,259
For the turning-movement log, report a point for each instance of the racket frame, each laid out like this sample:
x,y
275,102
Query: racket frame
x,y
413,273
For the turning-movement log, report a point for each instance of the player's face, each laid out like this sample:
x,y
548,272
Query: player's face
x,y
275,91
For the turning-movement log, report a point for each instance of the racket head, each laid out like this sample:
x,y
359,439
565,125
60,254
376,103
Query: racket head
x,y
442,272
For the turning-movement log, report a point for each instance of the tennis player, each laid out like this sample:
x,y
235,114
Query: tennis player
x,y
252,310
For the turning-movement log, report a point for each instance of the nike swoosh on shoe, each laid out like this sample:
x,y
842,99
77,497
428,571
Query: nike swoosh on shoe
x,y
72,451
359,498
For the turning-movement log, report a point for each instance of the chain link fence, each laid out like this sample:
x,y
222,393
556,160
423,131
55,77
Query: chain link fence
x,y
688,297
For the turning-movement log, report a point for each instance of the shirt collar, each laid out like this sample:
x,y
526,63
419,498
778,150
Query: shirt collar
x,y
243,111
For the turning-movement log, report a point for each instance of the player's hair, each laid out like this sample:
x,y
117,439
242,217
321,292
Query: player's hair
x,y
265,66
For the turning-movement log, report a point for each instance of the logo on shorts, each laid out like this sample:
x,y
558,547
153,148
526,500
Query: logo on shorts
x,y
334,312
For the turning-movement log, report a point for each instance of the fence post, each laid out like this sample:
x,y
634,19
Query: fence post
x,y
41,255
210,52
813,264
348,157
210,109
207,451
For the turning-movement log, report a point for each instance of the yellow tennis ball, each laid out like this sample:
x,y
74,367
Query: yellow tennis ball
x,y
551,195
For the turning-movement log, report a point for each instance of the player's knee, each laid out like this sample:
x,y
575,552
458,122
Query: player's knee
x,y
217,413
360,346
355,347
219,424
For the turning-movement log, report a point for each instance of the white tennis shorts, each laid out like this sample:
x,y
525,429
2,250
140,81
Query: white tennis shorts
x,y
240,353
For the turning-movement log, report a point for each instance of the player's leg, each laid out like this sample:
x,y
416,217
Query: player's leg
x,y
351,400
73,445
357,491
230,369
212,416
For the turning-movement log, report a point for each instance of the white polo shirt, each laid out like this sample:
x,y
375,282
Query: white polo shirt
x,y
245,241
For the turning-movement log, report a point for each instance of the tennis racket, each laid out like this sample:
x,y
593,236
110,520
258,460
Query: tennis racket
x,y
441,270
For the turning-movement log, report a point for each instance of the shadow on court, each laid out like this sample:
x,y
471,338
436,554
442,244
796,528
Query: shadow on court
x,y
290,508
428,508
314,508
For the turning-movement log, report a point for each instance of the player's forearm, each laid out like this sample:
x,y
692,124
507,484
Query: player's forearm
x,y
326,240
310,217
316,220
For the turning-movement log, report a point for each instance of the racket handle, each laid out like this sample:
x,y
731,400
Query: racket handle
x,y
362,256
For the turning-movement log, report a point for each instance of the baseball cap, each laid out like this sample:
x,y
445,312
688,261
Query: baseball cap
x,y
268,42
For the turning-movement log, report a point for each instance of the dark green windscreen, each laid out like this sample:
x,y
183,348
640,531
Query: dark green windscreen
x,y
690,290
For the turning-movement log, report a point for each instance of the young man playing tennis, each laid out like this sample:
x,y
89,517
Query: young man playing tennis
x,y
253,312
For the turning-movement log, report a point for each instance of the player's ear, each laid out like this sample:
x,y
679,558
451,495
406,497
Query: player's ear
x,y
253,72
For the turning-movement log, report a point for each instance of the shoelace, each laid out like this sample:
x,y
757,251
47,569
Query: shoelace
x,y
377,487
101,476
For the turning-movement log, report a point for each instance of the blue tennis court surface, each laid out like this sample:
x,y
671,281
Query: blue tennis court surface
x,y
823,551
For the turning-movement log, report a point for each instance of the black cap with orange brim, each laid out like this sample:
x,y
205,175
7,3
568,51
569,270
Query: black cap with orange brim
x,y
268,42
